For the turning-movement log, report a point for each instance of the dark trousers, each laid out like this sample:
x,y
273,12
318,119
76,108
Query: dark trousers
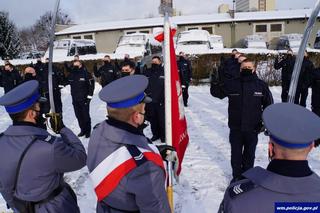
x,y
243,147
316,110
301,96
81,109
156,116
185,94
285,91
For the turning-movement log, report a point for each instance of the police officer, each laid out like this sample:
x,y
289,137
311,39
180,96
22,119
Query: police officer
x,y
248,97
107,72
288,177
126,170
185,73
58,82
155,110
286,65
32,162
315,85
10,78
82,88
127,68
304,81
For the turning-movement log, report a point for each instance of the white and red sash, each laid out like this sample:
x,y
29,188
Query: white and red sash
x,y
108,174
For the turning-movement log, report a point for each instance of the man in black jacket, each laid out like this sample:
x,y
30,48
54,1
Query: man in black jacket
x,y
82,88
107,72
304,81
248,97
10,78
286,65
155,110
185,73
315,97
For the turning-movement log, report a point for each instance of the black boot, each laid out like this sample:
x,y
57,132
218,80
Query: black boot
x,y
81,134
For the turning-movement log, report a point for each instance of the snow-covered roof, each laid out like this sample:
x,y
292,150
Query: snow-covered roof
x,y
190,19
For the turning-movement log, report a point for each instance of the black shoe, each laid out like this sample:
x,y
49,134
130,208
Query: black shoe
x,y
235,179
81,134
87,135
154,138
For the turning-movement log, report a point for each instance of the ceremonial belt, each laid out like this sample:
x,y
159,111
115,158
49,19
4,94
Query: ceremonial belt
x,y
108,174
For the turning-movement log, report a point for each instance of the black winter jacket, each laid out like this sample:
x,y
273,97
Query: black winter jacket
x,y
248,97
155,88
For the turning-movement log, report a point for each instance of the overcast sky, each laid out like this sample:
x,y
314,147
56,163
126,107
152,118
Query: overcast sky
x,y
25,12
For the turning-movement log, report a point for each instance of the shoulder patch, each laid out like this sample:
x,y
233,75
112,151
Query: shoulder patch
x,y
96,125
241,188
47,138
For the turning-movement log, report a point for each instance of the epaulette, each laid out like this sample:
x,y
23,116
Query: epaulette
x,y
47,138
96,125
241,188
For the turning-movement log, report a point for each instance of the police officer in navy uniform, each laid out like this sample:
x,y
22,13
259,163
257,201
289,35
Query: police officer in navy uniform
x,y
248,97
288,177
126,169
82,88
107,72
185,73
10,78
155,110
286,64
38,181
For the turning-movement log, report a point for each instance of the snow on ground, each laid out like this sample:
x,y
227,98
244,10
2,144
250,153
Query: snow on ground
x,y
206,167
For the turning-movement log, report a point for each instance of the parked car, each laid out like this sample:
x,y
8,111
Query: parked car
x,y
254,41
192,41
289,41
317,41
31,55
216,42
71,47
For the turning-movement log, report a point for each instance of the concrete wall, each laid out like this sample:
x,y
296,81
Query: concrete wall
x,y
107,41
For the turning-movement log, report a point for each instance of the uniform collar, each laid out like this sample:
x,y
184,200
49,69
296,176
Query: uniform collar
x,y
124,126
283,184
123,133
24,130
290,168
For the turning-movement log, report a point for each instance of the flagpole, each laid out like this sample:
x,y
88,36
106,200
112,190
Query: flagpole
x,y
168,112
299,59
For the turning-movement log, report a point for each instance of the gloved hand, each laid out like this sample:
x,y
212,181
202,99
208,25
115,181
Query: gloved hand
x,y
169,153
260,128
56,122
317,142
89,98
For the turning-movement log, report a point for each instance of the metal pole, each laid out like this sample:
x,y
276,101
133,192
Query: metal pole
x,y
299,59
168,113
52,35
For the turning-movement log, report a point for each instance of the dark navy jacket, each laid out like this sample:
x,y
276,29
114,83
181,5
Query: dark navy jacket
x,y
248,97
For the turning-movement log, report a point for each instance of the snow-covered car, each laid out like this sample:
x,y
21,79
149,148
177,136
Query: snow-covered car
x,y
70,47
137,45
31,55
317,41
289,41
193,41
216,42
254,41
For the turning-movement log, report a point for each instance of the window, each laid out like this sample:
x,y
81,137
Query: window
x,y
261,28
130,32
192,28
209,29
276,27
88,37
144,31
76,37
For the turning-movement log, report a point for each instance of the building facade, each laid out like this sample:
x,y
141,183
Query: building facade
x,y
255,5
270,24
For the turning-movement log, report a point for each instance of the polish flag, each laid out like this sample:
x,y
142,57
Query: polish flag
x,y
180,137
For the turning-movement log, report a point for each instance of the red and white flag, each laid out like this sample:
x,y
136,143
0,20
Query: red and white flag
x,y
180,137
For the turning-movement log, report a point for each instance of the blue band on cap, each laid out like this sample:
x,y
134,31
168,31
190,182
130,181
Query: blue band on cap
x,y
289,145
24,105
127,103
